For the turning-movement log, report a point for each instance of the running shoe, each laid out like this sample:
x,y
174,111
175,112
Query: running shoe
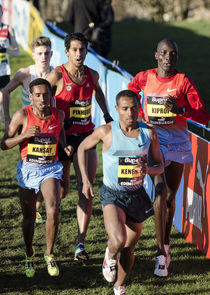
x,y
109,267
39,219
168,255
120,290
80,253
29,266
160,266
52,267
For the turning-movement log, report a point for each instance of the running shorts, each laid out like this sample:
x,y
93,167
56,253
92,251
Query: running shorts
x,y
136,204
30,176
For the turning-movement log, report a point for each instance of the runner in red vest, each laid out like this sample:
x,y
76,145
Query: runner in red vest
x,y
39,168
74,84
167,98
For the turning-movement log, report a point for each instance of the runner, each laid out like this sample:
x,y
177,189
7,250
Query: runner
x,y
167,98
41,53
128,145
39,168
8,47
74,84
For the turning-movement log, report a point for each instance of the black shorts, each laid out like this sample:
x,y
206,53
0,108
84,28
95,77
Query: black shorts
x,y
73,140
136,204
4,80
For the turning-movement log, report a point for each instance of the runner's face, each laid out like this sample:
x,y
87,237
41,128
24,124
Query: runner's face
x,y
42,56
166,57
127,109
40,98
76,53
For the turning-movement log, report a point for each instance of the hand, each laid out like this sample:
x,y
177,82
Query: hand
x,y
69,150
171,105
141,168
32,131
87,190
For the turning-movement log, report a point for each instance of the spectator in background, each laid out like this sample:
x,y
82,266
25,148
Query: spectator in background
x,y
93,18
7,40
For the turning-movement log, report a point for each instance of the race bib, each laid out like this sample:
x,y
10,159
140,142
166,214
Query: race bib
x,y
127,173
41,150
157,112
80,112
3,58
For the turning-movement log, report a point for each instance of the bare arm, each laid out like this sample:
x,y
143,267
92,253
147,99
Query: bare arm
x,y
62,138
85,145
15,48
100,98
12,85
55,80
19,120
157,166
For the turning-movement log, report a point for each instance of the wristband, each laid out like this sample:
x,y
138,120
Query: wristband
x,y
107,118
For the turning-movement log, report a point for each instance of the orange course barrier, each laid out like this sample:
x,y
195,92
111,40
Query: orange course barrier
x,y
196,196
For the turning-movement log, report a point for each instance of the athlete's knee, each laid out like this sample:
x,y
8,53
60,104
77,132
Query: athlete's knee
x,y
170,201
160,190
160,196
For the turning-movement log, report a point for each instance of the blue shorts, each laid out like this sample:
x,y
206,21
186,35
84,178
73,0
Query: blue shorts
x,y
180,153
30,176
174,145
136,204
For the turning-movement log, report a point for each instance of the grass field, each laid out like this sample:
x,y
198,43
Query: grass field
x,y
189,271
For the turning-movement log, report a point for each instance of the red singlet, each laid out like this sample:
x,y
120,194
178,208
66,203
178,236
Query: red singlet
x,y
75,100
41,149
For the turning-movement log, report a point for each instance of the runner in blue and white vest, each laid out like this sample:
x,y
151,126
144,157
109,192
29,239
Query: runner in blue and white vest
x,y
130,150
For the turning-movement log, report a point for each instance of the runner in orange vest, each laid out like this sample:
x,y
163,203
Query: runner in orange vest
x,y
167,98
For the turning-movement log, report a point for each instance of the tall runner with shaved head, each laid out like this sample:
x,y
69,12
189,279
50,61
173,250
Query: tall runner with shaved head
x,y
168,97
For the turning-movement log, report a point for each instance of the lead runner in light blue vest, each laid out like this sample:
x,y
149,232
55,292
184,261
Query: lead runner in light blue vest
x,y
126,147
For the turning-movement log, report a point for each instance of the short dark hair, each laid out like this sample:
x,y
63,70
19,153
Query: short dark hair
x,y
170,41
127,93
75,36
39,81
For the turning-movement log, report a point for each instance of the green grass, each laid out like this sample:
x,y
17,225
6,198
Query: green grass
x,y
189,270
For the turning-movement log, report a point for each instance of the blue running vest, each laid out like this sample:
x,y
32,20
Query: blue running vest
x,y
120,160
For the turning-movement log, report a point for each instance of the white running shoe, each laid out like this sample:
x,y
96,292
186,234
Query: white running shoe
x,y
109,267
168,255
120,290
160,266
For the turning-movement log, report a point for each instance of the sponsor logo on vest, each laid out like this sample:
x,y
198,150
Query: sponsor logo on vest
x,y
170,90
52,127
82,103
68,87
